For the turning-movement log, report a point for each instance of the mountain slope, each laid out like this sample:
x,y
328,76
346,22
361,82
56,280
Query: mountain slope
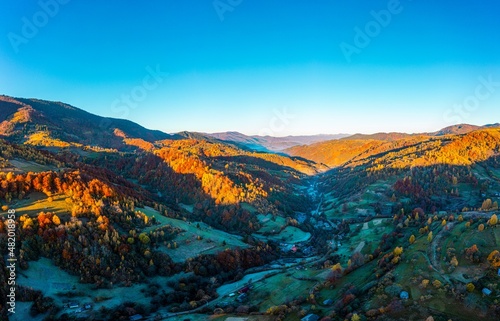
x,y
456,130
338,152
40,122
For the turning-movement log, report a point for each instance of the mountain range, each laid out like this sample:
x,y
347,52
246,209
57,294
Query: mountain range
x,y
386,226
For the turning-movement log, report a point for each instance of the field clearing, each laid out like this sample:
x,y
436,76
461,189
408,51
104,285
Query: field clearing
x,y
30,166
358,278
188,243
188,208
39,202
233,287
370,235
45,276
289,235
271,223
249,208
480,171
495,172
270,291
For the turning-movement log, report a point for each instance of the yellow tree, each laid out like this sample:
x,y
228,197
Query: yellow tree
x,y
56,220
337,267
494,259
412,239
486,204
493,220
429,237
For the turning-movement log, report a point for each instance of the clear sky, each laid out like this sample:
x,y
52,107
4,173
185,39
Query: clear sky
x,y
259,66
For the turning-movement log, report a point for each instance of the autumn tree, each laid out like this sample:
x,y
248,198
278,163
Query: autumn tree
x,y
56,220
493,220
472,253
487,204
335,273
494,259
398,251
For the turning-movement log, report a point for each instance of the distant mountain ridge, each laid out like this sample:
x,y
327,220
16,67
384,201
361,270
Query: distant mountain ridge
x,y
335,153
48,123
269,143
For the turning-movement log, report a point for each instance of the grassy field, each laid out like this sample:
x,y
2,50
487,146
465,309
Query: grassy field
x,y
270,292
37,202
290,235
23,166
188,208
197,238
29,166
44,275
271,223
233,287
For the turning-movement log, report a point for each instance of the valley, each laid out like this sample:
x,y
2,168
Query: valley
x,y
122,222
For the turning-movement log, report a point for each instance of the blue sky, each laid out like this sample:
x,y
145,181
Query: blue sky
x,y
210,66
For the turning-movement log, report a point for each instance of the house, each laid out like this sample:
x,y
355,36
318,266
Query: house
x,y
73,305
136,317
244,289
498,272
328,302
242,297
404,295
310,317
486,291
87,306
